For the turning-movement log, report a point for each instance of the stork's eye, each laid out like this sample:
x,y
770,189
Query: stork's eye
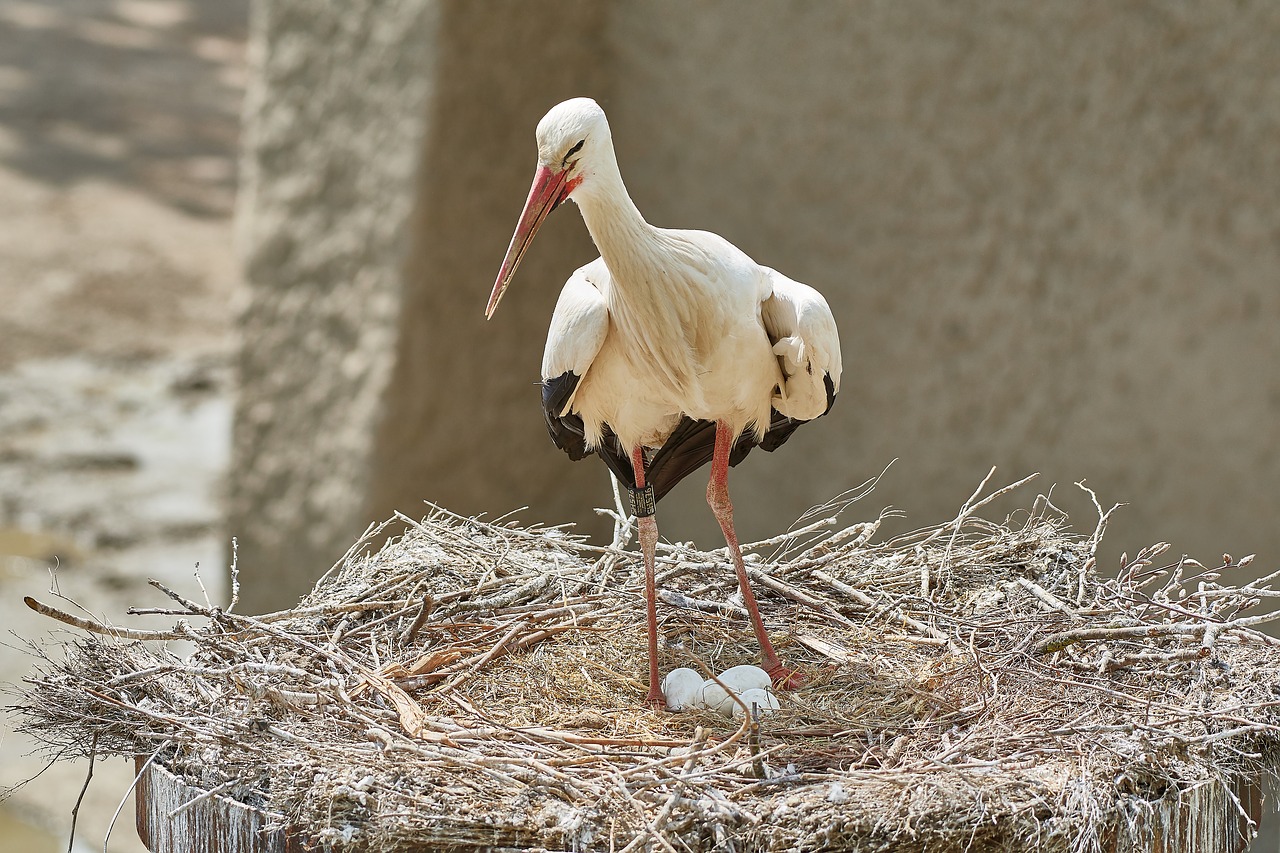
x,y
574,150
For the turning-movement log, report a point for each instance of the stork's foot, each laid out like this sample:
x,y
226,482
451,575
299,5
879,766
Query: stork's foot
x,y
655,699
784,677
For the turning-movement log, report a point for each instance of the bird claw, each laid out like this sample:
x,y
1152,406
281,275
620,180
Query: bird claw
x,y
785,678
656,700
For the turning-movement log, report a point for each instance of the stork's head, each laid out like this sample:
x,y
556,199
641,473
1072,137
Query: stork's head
x,y
572,137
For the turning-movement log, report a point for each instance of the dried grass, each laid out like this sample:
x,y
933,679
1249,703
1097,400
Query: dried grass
x,y
477,685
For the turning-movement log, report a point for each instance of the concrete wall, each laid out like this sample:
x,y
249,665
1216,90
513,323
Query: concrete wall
x,y
463,424
1049,232
334,121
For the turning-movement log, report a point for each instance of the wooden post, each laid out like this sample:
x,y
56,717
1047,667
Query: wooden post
x,y
1204,819
1197,821
212,825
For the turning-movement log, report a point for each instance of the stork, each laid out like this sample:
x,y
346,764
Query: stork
x,y
671,349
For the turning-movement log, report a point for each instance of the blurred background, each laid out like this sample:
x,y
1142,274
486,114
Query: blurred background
x,y
246,248
119,132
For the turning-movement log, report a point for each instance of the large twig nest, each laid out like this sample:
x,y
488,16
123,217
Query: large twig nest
x,y
477,686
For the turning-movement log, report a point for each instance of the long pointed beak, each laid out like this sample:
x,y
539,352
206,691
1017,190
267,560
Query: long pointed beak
x,y
548,190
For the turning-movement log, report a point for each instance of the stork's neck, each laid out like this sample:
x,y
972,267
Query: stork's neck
x,y
643,280
627,243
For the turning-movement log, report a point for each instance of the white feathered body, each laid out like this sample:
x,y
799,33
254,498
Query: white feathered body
x,y
683,323
670,323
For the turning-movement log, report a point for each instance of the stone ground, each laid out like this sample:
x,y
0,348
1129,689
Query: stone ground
x,y
119,121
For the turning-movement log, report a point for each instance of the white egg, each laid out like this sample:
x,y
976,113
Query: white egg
x,y
680,688
715,697
764,701
745,677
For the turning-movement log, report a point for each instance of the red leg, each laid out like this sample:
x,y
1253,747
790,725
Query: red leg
x,y
718,499
648,529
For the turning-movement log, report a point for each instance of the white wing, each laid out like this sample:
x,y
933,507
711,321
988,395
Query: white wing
x,y
803,331
578,326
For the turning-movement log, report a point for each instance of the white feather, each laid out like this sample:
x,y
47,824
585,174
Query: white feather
x,y
807,346
578,325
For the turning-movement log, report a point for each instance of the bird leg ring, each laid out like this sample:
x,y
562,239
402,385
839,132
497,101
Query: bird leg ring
x,y
643,503
647,527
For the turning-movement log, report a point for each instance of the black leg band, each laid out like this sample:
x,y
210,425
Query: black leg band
x,y
643,503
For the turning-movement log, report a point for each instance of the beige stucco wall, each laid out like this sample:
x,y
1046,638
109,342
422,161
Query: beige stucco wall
x,y
334,121
463,424
1050,233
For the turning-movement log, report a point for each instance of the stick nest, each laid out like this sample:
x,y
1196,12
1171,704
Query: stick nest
x,y
478,685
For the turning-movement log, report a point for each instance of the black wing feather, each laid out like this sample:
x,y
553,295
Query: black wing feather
x,y
568,432
690,446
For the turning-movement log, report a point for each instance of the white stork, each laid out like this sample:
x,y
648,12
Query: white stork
x,y
671,349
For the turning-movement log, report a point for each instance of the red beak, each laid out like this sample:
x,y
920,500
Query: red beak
x,y
549,189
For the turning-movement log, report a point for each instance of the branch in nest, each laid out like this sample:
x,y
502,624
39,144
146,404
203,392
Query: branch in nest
x,y
688,602
787,590
1112,665
95,627
972,505
1044,596
1058,642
